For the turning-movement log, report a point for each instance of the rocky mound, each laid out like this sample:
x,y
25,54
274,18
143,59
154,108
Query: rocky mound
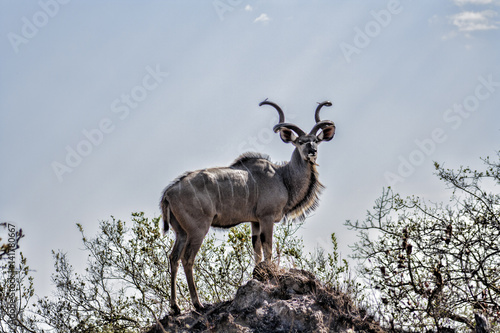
x,y
276,300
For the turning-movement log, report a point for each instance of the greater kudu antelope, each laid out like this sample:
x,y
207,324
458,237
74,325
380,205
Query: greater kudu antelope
x,y
252,189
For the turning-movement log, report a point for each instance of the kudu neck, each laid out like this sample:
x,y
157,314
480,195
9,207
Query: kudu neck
x,y
298,175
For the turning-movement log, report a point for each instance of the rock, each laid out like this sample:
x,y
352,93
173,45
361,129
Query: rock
x,y
225,323
251,295
276,300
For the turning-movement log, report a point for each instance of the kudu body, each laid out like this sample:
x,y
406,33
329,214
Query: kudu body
x,y
252,189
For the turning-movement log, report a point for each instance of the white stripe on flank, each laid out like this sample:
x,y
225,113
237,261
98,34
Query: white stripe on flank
x,y
254,181
196,196
208,193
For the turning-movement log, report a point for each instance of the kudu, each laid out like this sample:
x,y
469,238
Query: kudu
x,y
252,189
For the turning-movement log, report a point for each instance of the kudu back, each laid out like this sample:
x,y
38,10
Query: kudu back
x,y
252,189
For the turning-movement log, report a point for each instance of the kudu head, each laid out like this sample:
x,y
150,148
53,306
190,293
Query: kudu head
x,y
306,144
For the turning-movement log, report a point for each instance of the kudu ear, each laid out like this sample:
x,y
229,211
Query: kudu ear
x,y
288,132
326,133
287,135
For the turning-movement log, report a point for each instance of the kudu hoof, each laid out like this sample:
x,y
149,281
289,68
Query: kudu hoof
x,y
199,307
175,310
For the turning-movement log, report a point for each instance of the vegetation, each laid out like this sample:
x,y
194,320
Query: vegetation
x,y
434,266
125,286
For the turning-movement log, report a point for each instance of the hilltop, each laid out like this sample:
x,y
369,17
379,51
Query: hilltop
x,y
276,300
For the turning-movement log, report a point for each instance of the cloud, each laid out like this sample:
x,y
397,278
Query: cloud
x,y
475,21
248,8
262,18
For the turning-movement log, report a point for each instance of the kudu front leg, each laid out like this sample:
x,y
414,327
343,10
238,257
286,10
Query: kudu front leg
x,y
256,242
266,238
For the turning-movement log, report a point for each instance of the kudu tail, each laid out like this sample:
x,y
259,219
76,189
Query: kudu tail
x,y
165,211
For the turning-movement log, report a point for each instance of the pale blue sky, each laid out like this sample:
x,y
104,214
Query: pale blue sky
x,y
194,73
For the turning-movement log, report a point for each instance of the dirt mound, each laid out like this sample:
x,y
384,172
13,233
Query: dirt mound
x,y
276,300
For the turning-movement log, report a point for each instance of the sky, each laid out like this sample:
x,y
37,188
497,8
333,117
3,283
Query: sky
x,y
103,104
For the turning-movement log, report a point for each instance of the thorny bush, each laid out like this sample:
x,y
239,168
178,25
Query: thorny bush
x,y
433,266
125,285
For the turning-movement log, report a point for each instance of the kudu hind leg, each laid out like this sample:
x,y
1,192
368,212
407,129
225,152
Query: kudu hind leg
x,y
175,256
192,247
